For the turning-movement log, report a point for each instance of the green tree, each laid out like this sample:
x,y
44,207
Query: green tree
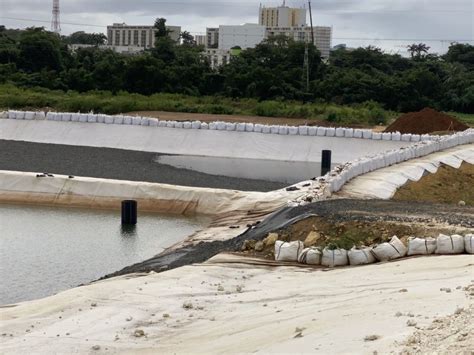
x,y
39,50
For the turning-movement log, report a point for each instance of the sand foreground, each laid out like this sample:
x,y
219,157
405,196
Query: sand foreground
x,y
232,305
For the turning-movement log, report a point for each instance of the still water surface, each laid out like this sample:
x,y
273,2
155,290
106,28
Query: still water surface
x,y
44,250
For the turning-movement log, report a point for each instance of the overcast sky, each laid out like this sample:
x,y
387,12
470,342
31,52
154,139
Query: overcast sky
x,y
388,24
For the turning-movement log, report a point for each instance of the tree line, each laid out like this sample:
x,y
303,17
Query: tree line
x,y
273,70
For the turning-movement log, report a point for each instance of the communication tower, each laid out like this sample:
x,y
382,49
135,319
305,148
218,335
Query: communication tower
x,y
55,23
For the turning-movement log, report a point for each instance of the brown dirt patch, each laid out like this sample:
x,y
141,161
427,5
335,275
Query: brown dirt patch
x,y
448,185
426,121
204,117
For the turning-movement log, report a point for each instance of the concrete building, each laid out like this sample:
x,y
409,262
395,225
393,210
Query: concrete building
x,y
282,16
244,36
201,40
322,36
119,49
212,35
218,57
121,34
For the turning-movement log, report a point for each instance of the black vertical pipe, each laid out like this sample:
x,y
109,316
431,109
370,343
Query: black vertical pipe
x,y
129,212
325,162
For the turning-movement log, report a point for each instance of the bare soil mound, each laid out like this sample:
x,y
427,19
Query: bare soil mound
x,y
426,121
448,185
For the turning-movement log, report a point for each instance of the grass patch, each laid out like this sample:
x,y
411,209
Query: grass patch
x,y
365,114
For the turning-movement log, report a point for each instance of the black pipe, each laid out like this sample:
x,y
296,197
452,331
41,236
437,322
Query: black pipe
x,y
325,162
129,212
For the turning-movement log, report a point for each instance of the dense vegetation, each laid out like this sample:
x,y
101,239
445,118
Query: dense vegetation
x,y
366,77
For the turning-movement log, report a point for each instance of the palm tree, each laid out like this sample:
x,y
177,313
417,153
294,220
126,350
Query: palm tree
x,y
418,51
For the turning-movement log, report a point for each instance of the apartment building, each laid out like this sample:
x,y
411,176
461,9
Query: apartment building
x,y
244,36
281,16
212,34
121,34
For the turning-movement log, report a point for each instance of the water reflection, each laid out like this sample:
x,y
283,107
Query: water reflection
x,y
128,230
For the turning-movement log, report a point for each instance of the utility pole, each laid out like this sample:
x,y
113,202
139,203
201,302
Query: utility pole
x,y
311,21
306,66
55,22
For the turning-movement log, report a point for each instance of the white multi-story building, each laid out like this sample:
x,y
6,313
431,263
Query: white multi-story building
x,y
282,16
212,35
243,36
121,34
322,36
201,40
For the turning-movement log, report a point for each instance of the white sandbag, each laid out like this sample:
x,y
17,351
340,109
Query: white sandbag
x,y
376,136
396,136
230,126
357,133
196,125
321,131
390,250
312,131
83,118
274,129
204,125
101,118
136,121
288,251
265,129
293,131
340,132
20,115
91,118
65,117
109,119
421,246
348,132
303,130
446,244
153,122
187,125
240,127
425,137
386,136
469,243
283,130
361,256
367,134
415,138
330,132
127,120
406,137
221,126
31,116
118,120
161,123
75,117
258,128
213,126
310,256
178,124
144,121
39,115
334,257
249,127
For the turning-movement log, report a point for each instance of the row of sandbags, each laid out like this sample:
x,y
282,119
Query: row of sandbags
x,y
346,172
220,126
394,249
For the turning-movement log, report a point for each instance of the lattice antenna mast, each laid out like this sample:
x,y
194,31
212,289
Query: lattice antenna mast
x,y
55,22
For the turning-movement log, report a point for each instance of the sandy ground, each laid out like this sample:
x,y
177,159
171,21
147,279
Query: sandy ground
x,y
229,305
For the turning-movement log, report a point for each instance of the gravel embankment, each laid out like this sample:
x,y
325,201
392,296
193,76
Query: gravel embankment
x,y
113,164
